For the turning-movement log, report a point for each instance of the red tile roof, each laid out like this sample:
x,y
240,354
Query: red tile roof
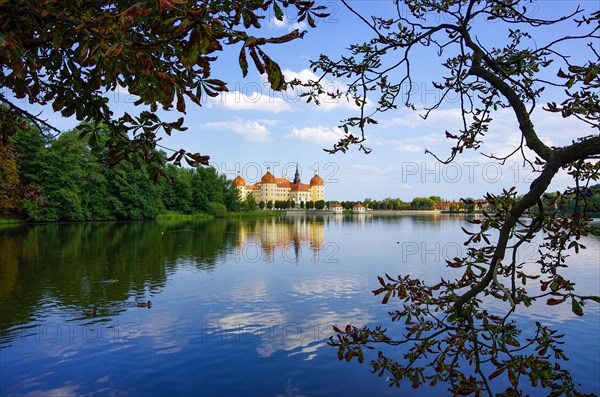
x,y
300,187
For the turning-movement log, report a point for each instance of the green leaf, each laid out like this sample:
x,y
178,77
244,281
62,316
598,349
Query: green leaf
x,y
576,307
513,378
243,62
273,72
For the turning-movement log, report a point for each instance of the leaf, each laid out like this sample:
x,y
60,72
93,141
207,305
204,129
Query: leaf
x,y
576,307
278,11
243,62
259,66
386,298
554,301
513,378
496,373
273,72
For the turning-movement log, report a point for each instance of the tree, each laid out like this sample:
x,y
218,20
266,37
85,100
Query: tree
x,y
448,333
422,203
270,204
310,205
261,205
9,176
249,202
319,204
68,55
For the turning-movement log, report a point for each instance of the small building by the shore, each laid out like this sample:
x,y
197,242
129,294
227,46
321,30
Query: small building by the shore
x,y
359,208
337,208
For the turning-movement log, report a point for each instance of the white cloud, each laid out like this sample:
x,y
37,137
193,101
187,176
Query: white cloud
x,y
261,101
320,135
326,102
286,24
407,147
250,130
441,119
416,144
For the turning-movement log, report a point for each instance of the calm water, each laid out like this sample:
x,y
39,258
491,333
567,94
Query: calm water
x,y
239,308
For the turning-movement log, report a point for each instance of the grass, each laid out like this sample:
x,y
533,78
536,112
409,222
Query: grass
x,y
174,216
252,214
4,221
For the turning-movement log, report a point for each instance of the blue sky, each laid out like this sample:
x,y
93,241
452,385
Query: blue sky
x,y
252,127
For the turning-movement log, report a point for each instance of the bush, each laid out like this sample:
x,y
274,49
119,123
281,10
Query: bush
x,y
217,210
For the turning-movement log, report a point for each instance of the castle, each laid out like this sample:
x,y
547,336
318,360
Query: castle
x,y
282,189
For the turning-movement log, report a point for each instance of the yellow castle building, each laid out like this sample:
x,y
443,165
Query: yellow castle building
x,y
274,189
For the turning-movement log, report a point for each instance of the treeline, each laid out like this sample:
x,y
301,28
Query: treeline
x,y
284,204
418,203
588,201
74,182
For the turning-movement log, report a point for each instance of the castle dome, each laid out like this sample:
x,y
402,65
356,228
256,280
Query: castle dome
x,y
317,180
239,181
268,177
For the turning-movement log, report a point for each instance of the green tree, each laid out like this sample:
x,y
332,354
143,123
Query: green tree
x,y
310,205
261,205
319,204
218,210
249,202
448,333
71,182
231,196
9,176
132,194
270,204
422,203
68,55
178,196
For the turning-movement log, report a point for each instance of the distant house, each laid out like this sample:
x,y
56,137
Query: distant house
x,y
337,208
443,205
359,208
481,205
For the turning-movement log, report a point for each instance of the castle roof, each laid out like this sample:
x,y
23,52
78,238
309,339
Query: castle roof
x,y
268,177
239,181
283,183
300,187
317,180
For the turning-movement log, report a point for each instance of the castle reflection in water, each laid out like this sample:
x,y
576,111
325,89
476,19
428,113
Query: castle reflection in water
x,y
275,239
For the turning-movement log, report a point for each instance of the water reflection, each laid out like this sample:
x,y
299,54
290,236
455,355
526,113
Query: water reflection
x,y
65,267
287,238
239,307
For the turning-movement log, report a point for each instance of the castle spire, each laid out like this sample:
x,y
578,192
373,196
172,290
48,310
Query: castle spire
x,y
297,175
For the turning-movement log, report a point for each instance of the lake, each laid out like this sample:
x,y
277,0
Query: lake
x,y
238,307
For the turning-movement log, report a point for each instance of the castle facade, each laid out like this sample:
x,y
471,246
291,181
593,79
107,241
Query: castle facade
x,y
270,188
